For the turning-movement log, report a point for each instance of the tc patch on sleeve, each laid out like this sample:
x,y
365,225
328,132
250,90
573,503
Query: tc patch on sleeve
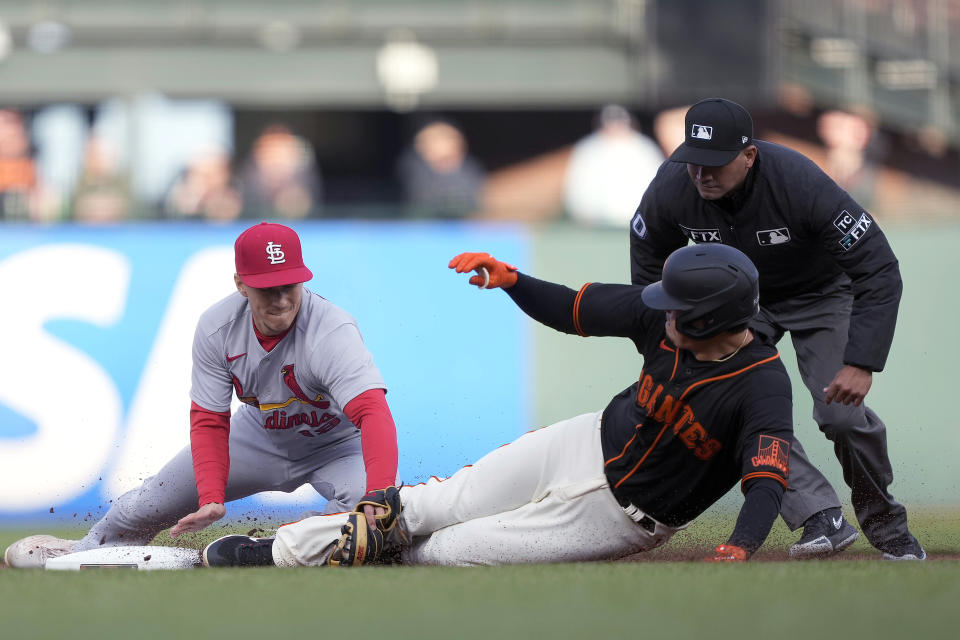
x,y
852,227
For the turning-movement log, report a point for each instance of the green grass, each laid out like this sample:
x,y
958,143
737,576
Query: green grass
x,y
833,600
854,596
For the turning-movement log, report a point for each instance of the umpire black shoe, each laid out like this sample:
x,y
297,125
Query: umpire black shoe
x,y
904,548
239,551
825,533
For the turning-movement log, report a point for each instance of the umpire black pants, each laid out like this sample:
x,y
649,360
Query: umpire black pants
x,y
818,323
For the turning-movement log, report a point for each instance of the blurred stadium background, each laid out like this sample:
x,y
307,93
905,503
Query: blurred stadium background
x,y
138,137
148,89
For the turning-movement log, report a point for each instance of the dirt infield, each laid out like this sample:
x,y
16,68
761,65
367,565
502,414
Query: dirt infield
x,y
699,554
935,528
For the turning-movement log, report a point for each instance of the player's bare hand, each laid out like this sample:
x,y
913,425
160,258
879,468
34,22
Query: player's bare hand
x,y
491,273
850,385
728,553
199,519
369,511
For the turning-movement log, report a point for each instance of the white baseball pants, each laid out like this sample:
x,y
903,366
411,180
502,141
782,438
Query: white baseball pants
x,y
542,498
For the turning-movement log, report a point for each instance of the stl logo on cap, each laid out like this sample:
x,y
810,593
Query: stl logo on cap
x,y
275,253
270,255
702,132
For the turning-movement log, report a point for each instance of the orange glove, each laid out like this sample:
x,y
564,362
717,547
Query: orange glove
x,y
492,273
728,553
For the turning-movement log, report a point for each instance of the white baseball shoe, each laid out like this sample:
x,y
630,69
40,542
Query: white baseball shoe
x,y
33,552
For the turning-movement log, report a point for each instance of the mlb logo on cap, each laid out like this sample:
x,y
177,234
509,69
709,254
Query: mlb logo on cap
x,y
269,255
717,130
701,132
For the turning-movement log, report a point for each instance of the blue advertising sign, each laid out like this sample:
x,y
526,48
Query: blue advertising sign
x,y
98,324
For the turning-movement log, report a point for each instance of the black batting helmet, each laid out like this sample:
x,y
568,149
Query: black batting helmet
x,y
713,287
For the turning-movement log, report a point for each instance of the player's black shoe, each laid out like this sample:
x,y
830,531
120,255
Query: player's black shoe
x,y
824,533
904,548
239,551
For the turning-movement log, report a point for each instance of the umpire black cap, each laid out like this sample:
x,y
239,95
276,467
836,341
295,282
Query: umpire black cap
x,y
717,130
713,287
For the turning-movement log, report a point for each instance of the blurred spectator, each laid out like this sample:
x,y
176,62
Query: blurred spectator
x,y
851,150
668,128
438,176
18,175
933,141
102,193
205,189
609,170
796,99
58,133
281,178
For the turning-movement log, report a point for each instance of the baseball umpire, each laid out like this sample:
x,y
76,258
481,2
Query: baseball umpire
x,y
711,408
314,409
827,275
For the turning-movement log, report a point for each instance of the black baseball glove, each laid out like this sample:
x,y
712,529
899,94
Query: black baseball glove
x,y
360,544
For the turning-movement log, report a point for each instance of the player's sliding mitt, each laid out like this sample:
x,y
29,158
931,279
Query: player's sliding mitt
x,y
359,544
728,553
491,273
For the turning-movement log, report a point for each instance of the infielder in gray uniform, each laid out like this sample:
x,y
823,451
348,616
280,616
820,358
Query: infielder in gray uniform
x,y
314,409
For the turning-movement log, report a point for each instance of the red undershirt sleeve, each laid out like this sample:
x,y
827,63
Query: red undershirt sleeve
x,y
378,437
209,443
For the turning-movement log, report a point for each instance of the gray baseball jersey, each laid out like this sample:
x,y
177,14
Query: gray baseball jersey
x,y
298,389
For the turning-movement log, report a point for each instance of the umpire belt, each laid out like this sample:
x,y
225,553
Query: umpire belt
x,y
637,515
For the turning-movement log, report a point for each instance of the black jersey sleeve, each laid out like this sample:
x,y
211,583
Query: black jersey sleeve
x,y
546,302
766,433
594,310
764,452
761,506
612,310
862,251
651,238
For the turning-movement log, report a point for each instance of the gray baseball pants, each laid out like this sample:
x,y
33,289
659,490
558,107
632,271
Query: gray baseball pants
x,y
259,461
818,323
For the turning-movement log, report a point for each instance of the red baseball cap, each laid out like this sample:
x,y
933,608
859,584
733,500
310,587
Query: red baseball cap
x,y
269,255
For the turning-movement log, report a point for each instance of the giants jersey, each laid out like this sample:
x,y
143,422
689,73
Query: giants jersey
x,y
687,431
298,389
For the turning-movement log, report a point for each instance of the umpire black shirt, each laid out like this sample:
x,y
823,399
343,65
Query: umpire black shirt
x,y
801,230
